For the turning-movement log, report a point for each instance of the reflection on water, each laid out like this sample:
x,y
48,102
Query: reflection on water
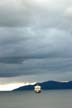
x,y
29,99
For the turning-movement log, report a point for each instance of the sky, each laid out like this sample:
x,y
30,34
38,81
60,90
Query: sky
x,y
35,40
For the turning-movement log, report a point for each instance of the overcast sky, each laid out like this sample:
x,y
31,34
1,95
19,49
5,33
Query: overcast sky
x,y
35,40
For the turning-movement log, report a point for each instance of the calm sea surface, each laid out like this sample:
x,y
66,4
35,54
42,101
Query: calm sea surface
x,y
29,99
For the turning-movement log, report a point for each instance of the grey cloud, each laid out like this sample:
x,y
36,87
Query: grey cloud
x,y
27,43
35,38
17,42
37,67
11,14
30,13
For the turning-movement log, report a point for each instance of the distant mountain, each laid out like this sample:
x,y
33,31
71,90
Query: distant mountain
x,y
48,85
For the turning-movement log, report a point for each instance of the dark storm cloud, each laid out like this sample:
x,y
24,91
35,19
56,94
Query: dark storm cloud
x,y
37,66
31,51
35,38
28,43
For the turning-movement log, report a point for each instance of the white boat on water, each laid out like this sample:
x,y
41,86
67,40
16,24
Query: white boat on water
x,y
37,88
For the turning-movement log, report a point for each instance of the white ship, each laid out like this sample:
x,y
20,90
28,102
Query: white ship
x,y
37,88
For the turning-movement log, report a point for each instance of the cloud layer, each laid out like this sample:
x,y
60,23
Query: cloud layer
x,y
36,38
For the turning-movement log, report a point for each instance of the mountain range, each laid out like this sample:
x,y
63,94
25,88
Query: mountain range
x,y
48,85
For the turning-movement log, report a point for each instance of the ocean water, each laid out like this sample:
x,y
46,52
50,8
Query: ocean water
x,y
29,99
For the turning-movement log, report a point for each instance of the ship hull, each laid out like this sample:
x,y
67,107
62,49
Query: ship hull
x,y
38,91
